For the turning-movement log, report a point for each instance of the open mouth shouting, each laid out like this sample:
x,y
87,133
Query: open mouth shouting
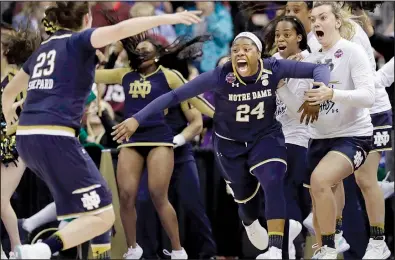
x,y
319,34
281,48
242,66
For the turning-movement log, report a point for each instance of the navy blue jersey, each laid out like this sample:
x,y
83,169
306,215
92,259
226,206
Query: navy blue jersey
x,y
61,77
244,107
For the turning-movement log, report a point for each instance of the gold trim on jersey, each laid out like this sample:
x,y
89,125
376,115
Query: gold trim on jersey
x,y
86,189
261,71
380,150
92,212
249,198
45,130
57,37
346,157
267,161
145,144
382,127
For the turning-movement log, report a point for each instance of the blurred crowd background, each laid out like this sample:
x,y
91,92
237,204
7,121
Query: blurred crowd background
x,y
223,20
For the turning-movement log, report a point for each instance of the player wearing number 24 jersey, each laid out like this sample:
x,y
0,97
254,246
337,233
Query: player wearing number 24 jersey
x,y
248,138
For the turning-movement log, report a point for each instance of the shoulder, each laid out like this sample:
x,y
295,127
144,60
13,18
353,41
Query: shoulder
x,y
351,47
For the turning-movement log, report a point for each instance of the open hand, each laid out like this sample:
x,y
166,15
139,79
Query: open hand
x,y
186,17
124,130
309,112
12,118
318,95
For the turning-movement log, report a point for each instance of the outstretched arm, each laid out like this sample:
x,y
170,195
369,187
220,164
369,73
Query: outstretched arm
x,y
104,36
202,83
301,70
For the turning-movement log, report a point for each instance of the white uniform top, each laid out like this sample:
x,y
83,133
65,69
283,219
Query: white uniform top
x,y
384,77
382,102
294,132
347,114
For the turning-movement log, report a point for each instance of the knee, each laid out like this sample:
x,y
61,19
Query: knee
x,y
363,182
319,184
271,175
158,196
127,198
108,218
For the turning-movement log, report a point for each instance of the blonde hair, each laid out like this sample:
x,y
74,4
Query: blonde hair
x,y
347,29
140,9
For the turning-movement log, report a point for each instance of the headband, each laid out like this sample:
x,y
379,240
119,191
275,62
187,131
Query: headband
x,y
252,37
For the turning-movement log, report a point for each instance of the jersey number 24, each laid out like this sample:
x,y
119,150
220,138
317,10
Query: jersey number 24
x,y
44,60
244,111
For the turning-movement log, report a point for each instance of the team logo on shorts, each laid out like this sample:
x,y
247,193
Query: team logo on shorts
x,y
358,159
338,53
230,78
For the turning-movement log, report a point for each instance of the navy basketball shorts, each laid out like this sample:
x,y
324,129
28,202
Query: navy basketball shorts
x,y
382,127
238,160
353,149
76,184
147,138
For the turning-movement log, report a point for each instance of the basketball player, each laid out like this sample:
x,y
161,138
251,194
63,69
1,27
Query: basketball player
x,y
16,48
153,143
185,122
341,138
52,113
245,124
291,39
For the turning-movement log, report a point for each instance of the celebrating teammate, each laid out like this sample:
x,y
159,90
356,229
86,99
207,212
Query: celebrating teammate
x,y
245,125
16,48
341,138
52,113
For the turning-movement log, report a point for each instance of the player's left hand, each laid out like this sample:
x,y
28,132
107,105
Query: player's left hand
x,y
12,118
318,95
124,130
310,113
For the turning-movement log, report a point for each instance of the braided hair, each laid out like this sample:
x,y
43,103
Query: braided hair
x,y
173,56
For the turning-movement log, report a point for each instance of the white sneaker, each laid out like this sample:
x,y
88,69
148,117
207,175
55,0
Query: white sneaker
x,y
272,253
35,251
341,243
387,187
176,254
377,249
12,255
308,223
133,253
257,235
325,252
294,229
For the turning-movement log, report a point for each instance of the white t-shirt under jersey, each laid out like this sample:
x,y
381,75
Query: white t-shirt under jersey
x,y
382,102
294,132
347,114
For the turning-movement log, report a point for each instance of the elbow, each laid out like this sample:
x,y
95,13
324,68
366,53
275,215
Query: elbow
x,y
370,99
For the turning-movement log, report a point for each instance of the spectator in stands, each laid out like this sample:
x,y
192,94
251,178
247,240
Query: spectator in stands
x,y
217,22
147,9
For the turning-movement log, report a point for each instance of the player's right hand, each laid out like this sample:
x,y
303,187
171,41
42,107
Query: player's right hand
x,y
124,130
186,17
309,112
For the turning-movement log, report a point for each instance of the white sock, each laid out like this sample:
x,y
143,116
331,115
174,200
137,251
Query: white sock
x,y
44,216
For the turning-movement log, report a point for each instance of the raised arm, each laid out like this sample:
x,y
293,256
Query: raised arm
x,y
104,36
199,85
384,77
202,83
301,70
